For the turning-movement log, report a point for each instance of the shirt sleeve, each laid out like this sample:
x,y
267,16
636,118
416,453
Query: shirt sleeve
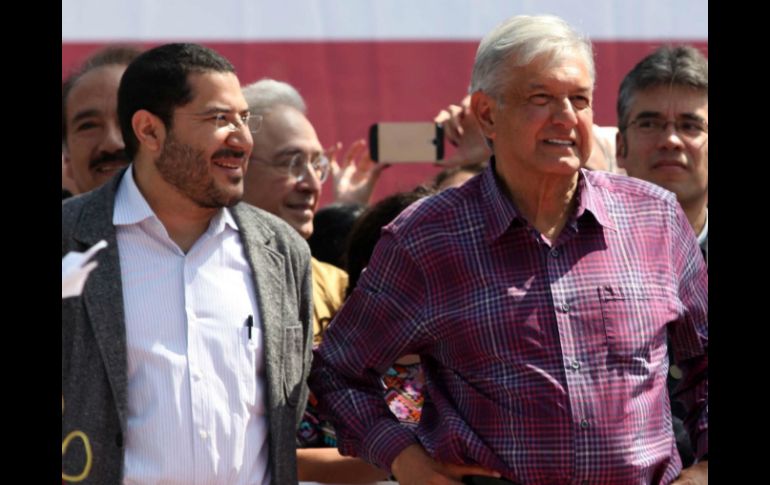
x,y
689,335
379,323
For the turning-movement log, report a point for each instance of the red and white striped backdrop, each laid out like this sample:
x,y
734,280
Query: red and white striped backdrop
x,y
358,62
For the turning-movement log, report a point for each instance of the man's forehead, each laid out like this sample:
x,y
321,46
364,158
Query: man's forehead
x,y
212,89
287,129
544,70
94,89
669,100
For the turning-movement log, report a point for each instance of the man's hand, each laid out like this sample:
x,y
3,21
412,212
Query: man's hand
x,y
354,180
462,130
697,474
414,467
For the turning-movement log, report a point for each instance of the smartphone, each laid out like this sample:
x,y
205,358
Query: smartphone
x,y
406,142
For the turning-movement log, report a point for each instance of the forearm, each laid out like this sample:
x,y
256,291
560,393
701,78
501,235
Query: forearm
x,y
327,465
363,423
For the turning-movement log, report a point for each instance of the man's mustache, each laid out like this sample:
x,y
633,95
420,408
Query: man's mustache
x,y
228,153
110,157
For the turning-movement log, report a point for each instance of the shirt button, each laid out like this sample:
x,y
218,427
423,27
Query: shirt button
x,y
575,365
555,253
203,434
565,307
584,423
675,371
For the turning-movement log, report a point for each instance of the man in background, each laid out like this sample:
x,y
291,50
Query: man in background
x,y
663,112
92,145
663,138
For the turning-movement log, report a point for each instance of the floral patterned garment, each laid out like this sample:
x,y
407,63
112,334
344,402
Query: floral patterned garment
x,y
402,387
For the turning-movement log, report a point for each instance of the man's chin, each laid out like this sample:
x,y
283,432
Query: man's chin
x,y
305,229
233,198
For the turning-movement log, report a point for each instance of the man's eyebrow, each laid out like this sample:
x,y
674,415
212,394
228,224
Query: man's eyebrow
x,y
287,151
535,86
88,113
693,117
213,111
294,151
649,114
658,114
220,109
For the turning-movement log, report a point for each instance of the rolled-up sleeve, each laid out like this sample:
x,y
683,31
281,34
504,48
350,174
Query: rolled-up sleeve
x,y
378,324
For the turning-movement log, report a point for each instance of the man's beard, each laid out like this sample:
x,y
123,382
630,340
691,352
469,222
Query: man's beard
x,y
188,170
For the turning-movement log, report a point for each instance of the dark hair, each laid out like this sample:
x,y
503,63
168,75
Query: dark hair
x,y
331,226
447,173
157,81
109,56
366,231
668,66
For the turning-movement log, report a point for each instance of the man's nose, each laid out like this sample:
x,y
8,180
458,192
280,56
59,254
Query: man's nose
x,y
113,138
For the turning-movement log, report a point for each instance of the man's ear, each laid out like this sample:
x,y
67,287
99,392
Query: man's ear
x,y
483,107
621,150
149,130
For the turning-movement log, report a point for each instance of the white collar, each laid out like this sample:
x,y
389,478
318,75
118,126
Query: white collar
x,y
704,233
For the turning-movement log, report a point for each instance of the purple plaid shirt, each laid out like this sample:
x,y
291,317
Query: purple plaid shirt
x,y
545,362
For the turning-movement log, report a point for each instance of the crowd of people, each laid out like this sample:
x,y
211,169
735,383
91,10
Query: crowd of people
x,y
536,314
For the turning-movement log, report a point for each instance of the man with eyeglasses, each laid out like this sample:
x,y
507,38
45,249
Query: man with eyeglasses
x,y
663,138
184,360
286,170
538,296
663,112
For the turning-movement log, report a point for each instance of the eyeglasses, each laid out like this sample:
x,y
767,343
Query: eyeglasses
x,y
296,166
230,121
688,128
234,123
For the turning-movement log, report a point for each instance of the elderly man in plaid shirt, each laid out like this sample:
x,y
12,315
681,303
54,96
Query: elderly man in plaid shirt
x,y
539,297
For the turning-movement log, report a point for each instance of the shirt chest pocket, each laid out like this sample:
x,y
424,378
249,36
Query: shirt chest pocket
x,y
635,320
251,368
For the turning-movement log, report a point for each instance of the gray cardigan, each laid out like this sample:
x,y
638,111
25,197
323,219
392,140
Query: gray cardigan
x,y
94,369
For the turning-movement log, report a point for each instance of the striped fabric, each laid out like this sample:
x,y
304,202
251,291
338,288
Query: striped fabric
x,y
545,362
196,389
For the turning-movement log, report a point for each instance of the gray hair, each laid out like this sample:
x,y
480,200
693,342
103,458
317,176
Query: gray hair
x,y
523,38
667,66
265,94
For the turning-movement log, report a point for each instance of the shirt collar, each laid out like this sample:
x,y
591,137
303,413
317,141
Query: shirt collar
x,y
498,208
130,205
132,208
590,198
705,231
500,212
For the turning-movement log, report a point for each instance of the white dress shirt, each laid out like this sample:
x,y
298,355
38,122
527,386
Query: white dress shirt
x,y
196,385
705,231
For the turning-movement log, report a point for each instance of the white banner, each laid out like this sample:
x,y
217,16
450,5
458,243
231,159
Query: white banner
x,y
323,20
